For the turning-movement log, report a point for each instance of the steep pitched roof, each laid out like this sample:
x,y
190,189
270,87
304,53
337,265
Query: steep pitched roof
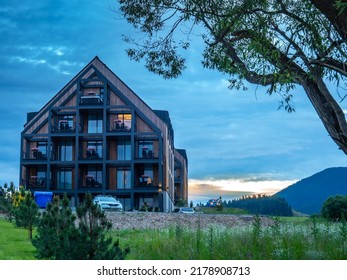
x,y
96,66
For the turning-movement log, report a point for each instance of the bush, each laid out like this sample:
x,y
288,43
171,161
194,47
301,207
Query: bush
x,y
56,233
335,208
95,241
60,237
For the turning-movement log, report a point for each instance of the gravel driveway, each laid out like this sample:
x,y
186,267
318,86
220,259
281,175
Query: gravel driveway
x,y
152,220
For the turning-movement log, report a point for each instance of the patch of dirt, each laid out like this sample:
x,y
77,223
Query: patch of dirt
x,y
150,220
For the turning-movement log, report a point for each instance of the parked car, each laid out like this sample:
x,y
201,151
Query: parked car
x,y
108,203
186,210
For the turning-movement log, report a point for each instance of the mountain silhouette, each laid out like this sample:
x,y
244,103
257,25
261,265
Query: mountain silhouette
x,y
308,195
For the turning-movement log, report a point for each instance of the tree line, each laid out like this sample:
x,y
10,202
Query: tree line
x,y
262,205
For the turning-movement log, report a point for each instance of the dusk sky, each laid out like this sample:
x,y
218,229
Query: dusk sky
x,y
237,141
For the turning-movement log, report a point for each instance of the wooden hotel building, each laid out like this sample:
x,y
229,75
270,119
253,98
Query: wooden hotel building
x,y
96,135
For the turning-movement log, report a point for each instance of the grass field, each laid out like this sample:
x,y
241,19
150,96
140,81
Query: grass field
x,y
225,210
299,239
290,238
14,243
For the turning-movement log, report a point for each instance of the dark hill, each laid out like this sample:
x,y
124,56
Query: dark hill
x,y
308,195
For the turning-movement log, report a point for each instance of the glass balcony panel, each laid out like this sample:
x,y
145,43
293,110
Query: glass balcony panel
x,y
91,98
36,182
91,150
146,149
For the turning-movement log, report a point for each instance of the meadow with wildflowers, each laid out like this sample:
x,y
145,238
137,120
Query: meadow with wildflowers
x,y
289,238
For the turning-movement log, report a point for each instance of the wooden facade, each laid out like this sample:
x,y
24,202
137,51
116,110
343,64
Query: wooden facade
x,y
96,135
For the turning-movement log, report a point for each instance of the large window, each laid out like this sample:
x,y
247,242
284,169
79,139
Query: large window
x,y
124,150
123,178
66,123
94,149
95,123
146,179
65,150
37,177
40,151
146,149
94,177
64,179
41,176
122,122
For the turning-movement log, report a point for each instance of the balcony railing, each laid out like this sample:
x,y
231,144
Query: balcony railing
x,y
95,99
64,127
146,153
35,155
35,182
120,126
90,153
146,181
89,182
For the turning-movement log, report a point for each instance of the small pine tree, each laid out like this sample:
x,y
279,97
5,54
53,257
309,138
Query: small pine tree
x,y
94,227
61,237
26,214
56,233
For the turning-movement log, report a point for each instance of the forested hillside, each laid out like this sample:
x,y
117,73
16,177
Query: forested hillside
x,y
307,196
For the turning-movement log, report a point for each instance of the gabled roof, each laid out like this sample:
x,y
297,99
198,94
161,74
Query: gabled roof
x,y
96,66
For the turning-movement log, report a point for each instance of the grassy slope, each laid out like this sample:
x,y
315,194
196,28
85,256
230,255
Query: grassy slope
x,y
14,243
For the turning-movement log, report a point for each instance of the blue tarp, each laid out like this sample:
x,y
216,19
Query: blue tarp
x,y
43,198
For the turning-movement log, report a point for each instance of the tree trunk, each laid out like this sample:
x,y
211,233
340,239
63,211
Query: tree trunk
x,y
329,111
337,18
30,234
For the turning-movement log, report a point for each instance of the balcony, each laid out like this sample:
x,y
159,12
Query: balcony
x,y
146,153
89,182
34,154
120,126
147,149
64,126
91,99
145,181
91,154
35,182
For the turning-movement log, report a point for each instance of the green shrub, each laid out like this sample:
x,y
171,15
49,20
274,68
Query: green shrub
x,y
60,237
26,213
335,208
